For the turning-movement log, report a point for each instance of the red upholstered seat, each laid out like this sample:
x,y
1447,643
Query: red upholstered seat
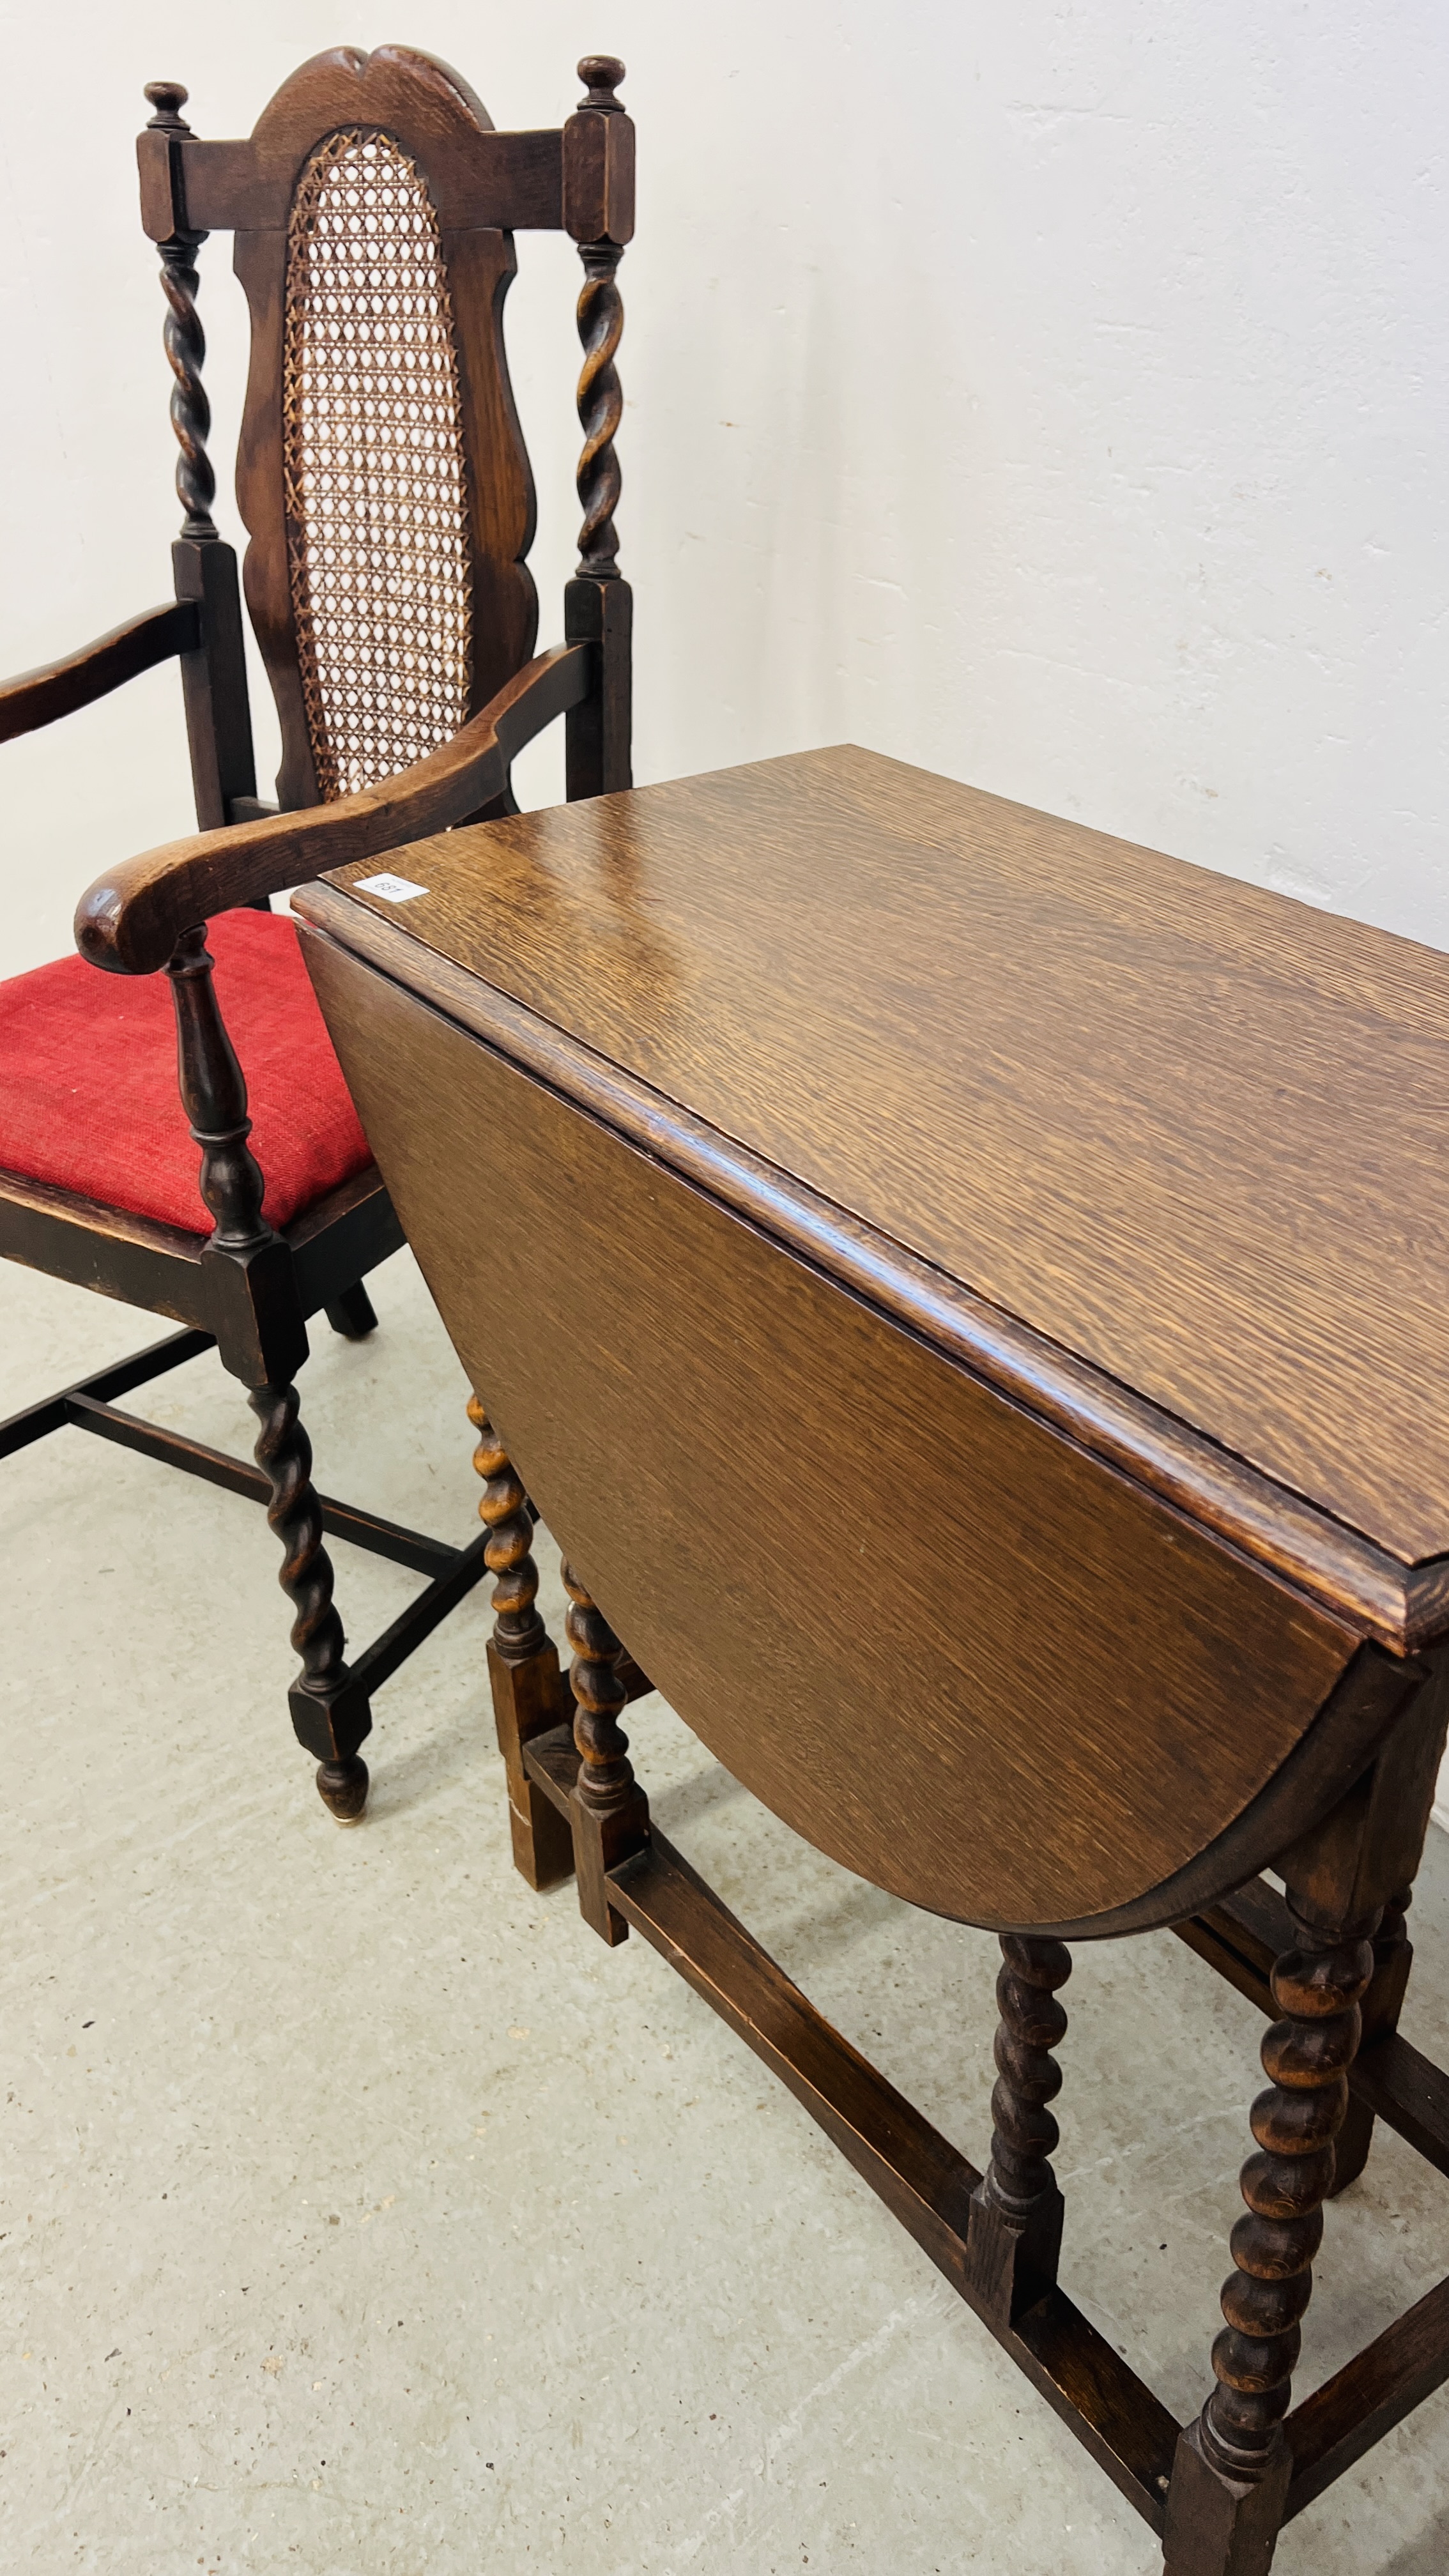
x,y
88,1096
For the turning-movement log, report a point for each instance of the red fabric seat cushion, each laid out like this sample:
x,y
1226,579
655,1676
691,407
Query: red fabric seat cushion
x,y
88,1096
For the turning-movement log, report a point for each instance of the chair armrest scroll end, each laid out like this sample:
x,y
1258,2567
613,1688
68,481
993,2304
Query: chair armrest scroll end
x,y
133,931
98,921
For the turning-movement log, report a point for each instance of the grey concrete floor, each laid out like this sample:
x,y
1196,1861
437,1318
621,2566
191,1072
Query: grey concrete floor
x,y
363,2215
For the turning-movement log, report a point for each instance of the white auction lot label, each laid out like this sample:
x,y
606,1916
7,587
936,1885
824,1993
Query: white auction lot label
x,y
392,889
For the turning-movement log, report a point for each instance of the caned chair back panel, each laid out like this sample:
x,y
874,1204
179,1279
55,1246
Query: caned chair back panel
x,y
373,479
382,474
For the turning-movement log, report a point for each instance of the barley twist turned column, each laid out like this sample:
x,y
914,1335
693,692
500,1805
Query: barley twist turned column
x,y
284,1454
611,1812
1307,2056
1015,2231
529,1695
1230,2480
601,408
185,342
601,327
594,1679
518,1630
598,606
213,1094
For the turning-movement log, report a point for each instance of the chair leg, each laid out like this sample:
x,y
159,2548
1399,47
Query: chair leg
x,y
1230,2476
261,1336
352,1314
329,1718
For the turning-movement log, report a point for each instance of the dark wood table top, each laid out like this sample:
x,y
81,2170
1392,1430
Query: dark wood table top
x,y
1157,1150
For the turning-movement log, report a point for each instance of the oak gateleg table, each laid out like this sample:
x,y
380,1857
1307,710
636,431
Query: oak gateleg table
x,y
969,1295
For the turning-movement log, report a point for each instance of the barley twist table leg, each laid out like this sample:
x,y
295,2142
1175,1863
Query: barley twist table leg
x,y
611,1812
1015,2232
1230,2477
523,1668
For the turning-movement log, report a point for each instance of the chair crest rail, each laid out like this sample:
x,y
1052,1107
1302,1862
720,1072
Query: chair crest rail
x,y
577,178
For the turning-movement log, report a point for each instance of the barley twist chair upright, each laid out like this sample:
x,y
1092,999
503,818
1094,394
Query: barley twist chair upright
x,y
384,483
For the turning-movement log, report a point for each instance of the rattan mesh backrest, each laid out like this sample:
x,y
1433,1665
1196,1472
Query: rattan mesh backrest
x,y
373,457
381,474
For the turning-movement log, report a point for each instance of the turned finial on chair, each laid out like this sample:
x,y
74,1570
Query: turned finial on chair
x,y
168,99
603,72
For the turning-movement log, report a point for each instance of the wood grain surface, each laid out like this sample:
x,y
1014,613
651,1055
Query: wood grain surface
x,y
959,1655
1186,1129
1405,1607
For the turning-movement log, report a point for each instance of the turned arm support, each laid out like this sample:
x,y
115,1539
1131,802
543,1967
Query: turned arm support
x,y
130,921
38,697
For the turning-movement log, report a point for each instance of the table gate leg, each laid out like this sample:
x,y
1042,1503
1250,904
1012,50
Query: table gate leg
x,y
528,1691
1014,2233
1230,2476
610,1810
1382,2005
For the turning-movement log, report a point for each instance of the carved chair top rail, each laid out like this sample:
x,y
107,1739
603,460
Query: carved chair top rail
x,y
1153,1149
544,182
577,178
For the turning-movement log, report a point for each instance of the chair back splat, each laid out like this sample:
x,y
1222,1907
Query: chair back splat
x,y
382,474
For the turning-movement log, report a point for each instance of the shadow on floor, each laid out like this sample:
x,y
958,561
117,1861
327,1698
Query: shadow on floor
x,y
1426,2555
427,1770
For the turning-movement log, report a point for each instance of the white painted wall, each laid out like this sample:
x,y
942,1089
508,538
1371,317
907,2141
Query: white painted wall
x,y
1055,396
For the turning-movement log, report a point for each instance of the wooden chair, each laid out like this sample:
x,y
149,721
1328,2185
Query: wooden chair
x,y
383,479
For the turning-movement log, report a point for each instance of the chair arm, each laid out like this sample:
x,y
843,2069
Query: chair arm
x,y
130,921
57,688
